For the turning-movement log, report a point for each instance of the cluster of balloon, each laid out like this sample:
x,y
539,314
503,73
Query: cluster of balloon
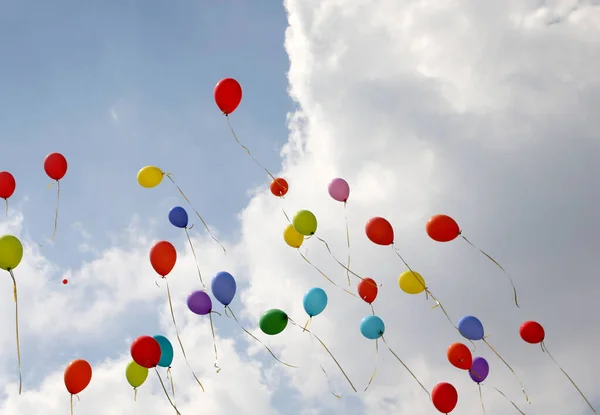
x,y
77,376
533,332
444,397
11,254
443,228
151,176
199,303
7,186
55,165
179,218
339,190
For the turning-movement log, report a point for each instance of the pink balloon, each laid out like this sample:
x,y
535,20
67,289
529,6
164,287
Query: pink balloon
x,y
339,190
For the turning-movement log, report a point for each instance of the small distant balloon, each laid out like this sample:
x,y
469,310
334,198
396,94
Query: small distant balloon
x,y
459,356
228,95
444,397
77,376
136,375
315,301
442,228
532,332
55,166
379,231
292,237
163,257
150,176
273,321
223,287
199,302
471,328
411,282
7,184
65,281
339,190
178,217
166,351
145,351
367,290
305,223
480,370
372,327
279,187
11,252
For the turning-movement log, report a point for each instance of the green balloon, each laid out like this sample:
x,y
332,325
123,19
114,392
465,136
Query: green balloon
x,y
305,223
273,322
11,252
136,375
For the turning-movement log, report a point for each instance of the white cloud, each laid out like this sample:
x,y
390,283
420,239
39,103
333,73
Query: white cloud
x,y
484,111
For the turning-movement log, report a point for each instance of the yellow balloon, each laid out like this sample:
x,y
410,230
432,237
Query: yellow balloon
x,y
150,176
136,375
411,282
11,252
292,237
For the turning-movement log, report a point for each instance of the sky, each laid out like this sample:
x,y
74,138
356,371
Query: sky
x,y
484,111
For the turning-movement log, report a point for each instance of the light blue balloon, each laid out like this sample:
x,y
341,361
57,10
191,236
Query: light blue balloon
x,y
315,301
166,351
372,327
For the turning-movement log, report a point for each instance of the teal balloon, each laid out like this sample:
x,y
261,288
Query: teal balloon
x,y
166,351
315,301
372,327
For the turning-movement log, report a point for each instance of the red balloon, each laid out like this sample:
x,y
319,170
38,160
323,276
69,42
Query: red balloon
x,y
77,376
55,165
380,231
7,184
279,187
444,397
532,332
65,281
145,351
442,228
163,257
460,356
228,95
367,290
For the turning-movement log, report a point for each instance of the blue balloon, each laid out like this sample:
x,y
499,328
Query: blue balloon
x,y
372,327
223,287
166,351
471,328
315,301
178,217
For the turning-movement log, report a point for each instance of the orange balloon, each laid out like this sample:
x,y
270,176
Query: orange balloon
x,y
460,356
442,228
279,187
78,375
163,257
379,231
367,290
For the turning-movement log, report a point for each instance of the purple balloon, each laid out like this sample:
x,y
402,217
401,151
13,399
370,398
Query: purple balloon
x,y
199,303
479,369
339,190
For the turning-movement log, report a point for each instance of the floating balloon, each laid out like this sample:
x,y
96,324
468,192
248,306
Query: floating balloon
x,y
459,356
471,328
166,351
150,176
367,290
78,375
479,370
7,184
532,332
279,187
228,95
315,301
163,257
442,228
305,223
372,327
55,165
11,252
223,287
380,231
444,397
136,375
145,351
273,321
292,237
199,303
339,190
411,282
178,217
65,281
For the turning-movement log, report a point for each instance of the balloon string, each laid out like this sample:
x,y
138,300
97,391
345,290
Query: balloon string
x,y
246,148
329,352
516,298
510,368
170,377
56,211
179,338
307,322
312,345
71,404
513,404
212,329
337,260
347,239
372,309
6,202
166,393
481,398
323,274
195,257
17,328
169,176
376,361
545,350
256,338
134,394
406,367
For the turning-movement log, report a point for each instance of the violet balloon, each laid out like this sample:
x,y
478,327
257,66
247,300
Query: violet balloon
x,y
480,370
199,302
339,189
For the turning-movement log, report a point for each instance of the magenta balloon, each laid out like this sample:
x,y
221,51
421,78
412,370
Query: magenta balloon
x,y
199,303
480,370
339,190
